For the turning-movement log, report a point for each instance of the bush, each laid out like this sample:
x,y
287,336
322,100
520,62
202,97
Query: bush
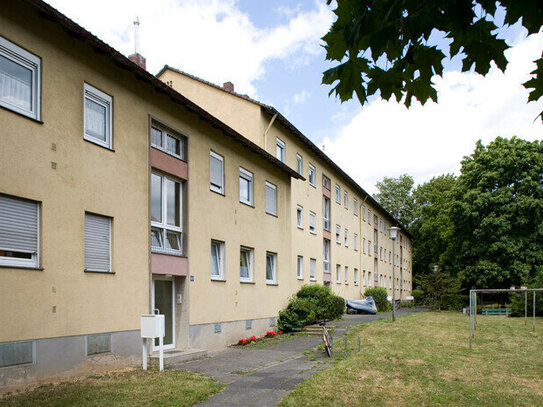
x,y
379,295
310,304
517,304
418,296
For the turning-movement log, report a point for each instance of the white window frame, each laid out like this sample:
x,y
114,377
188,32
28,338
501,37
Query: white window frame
x,y
28,61
355,206
247,176
216,188
312,223
272,281
312,269
325,215
338,273
280,150
346,199
346,237
346,275
338,194
163,226
220,253
326,256
299,164
312,175
110,243
270,185
299,217
34,261
364,245
355,276
326,182
103,99
364,278
250,251
164,146
300,268
355,243
338,234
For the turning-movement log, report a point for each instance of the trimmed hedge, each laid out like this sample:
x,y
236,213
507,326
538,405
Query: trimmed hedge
x,y
379,295
310,304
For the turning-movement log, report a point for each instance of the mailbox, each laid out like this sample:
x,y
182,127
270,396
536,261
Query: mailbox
x,y
152,326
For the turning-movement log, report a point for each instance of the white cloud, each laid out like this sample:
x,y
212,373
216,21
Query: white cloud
x,y
212,39
301,97
386,139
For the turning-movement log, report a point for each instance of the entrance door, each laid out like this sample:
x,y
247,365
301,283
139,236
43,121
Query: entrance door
x,y
163,301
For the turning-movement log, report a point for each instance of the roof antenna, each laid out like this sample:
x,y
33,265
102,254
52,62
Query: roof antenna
x,y
136,35
323,147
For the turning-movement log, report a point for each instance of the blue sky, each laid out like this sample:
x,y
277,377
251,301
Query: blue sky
x,y
272,51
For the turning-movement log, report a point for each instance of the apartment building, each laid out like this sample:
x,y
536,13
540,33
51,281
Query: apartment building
x,y
340,234
121,197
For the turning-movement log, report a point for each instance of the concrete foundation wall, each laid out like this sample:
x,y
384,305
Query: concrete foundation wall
x,y
67,357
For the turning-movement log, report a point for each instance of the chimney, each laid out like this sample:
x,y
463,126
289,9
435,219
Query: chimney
x,y
138,60
228,86
136,57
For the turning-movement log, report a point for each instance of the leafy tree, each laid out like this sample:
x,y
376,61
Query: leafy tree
x,y
388,45
432,226
395,195
497,213
439,285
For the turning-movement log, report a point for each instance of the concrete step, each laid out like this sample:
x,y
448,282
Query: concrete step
x,y
316,329
173,356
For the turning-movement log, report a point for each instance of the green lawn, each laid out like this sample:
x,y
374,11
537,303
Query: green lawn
x,y
126,388
424,360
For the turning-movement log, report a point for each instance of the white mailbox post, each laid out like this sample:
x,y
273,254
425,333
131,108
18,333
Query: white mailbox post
x,y
152,326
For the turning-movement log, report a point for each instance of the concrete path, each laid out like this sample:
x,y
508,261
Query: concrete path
x,y
262,377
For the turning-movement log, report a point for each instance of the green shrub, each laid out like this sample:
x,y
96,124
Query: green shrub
x,y
517,304
379,295
310,304
452,302
418,295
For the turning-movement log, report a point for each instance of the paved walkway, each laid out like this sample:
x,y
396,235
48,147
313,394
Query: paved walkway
x,y
262,377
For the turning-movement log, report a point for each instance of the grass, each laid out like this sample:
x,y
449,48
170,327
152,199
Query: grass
x,y
131,387
423,359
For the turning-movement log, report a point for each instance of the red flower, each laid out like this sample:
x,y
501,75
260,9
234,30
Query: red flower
x,y
280,332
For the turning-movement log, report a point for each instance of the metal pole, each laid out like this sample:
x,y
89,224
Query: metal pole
x,y
359,343
475,311
393,280
470,315
525,306
533,319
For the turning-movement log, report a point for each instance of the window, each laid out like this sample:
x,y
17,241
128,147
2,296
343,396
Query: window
x,y
98,116
375,270
300,267
345,200
326,213
97,243
216,172
19,232
326,256
217,260
346,238
380,253
271,268
364,245
375,244
369,247
299,216
312,265
389,257
364,213
280,150
338,234
299,164
311,175
338,274
17,353
355,206
98,343
346,275
338,194
245,187
326,183
271,199
381,225
165,140
312,220
369,278
369,217
246,264
20,73
355,242
364,278
166,209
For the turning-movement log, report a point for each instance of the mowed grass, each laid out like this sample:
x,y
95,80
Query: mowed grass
x,y
424,360
134,387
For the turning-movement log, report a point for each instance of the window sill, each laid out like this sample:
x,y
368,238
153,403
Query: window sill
x,y
300,227
218,279
22,114
272,214
168,153
272,284
250,205
98,272
312,232
217,192
313,185
300,278
167,253
99,145
246,282
312,279
7,266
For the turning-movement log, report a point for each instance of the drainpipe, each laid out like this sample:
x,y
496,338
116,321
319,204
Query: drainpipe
x,y
360,237
268,129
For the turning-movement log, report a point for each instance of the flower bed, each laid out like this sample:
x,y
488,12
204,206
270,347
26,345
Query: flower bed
x,y
247,341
